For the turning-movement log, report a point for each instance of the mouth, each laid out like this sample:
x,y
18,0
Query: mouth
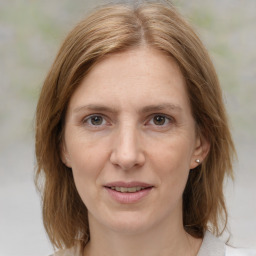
x,y
131,192
128,190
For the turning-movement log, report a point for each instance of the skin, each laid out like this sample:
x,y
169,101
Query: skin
x,y
129,93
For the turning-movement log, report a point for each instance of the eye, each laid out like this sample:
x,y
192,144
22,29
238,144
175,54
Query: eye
x,y
160,120
95,120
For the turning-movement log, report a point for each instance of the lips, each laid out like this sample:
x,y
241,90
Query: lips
x,y
128,192
129,187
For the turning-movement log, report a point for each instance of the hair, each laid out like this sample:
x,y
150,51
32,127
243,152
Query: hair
x,y
110,29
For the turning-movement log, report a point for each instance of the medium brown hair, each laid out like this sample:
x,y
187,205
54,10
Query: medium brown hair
x,y
110,29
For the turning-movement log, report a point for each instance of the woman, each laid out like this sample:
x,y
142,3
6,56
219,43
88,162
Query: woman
x,y
132,138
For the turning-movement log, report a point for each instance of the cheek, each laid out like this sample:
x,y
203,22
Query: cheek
x,y
87,160
172,164
174,153
86,153
86,169
173,171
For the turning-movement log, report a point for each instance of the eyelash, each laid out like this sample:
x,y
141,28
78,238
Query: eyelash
x,y
89,119
167,118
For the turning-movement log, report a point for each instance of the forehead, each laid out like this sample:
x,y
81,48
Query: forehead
x,y
143,62
142,75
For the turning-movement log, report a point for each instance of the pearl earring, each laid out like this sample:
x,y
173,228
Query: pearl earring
x,y
198,161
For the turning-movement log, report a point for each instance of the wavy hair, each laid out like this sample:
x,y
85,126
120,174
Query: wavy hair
x,y
110,29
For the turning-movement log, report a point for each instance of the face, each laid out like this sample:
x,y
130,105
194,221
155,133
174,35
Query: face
x,y
130,140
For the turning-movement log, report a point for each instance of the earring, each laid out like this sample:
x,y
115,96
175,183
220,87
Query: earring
x,y
198,161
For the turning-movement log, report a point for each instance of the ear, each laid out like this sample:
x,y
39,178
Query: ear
x,y
64,154
202,148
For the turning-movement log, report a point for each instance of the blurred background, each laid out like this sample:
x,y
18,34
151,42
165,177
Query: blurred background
x,y
30,34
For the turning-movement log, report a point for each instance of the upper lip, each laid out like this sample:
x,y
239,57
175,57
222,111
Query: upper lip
x,y
128,184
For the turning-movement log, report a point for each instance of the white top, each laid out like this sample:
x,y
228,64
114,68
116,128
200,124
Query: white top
x,y
211,246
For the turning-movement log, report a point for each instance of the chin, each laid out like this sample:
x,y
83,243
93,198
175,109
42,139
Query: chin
x,y
129,223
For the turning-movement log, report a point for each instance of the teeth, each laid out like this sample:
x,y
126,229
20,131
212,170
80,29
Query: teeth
x,y
127,190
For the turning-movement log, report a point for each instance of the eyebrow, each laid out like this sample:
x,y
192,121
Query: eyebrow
x,y
146,109
161,107
94,107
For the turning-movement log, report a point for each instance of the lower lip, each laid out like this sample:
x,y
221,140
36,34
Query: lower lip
x,y
128,198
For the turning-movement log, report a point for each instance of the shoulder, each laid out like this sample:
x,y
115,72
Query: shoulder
x,y
74,251
213,246
230,251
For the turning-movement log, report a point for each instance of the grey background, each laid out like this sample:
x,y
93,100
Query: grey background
x,y
30,34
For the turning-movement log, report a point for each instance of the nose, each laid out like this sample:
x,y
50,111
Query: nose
x,y
127,151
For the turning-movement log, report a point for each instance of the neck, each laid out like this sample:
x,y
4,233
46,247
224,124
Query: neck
x,y
164,240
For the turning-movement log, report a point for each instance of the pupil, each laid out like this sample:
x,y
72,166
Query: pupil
x,y
159,120
96,120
